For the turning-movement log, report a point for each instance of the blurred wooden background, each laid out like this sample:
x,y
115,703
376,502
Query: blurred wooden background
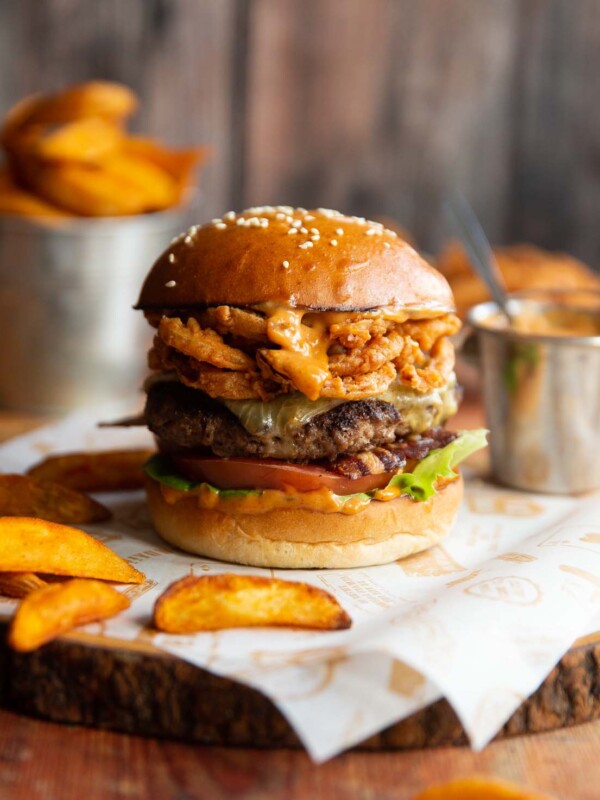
x,y
372,106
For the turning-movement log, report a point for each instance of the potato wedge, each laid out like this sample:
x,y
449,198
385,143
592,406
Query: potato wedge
x,y
178,163
17,201
35,545
157,188
71,150
87,190
85,140
480,788
57,608
24,496
214,602
19,584
109,471
103,99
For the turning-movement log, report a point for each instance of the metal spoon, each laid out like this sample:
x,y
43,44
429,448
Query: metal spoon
x,y
469,230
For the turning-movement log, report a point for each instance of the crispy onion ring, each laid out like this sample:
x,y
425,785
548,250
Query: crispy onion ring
x,y
203,344
371,357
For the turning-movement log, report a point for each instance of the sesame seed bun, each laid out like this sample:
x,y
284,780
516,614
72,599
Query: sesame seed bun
x,y
299,538
331,262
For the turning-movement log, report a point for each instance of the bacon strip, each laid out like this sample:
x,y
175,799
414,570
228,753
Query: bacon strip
x,y
391,457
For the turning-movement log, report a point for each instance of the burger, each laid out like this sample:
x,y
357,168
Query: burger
x,y
301,375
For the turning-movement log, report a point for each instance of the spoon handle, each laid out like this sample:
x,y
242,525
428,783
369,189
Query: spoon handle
x,y
478,248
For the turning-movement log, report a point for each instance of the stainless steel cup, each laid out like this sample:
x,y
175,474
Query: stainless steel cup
x,y
542,397
68,333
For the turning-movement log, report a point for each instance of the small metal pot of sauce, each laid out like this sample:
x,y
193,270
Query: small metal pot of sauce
x,y
541,388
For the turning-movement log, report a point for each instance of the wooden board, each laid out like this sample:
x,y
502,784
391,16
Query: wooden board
x,y
137,689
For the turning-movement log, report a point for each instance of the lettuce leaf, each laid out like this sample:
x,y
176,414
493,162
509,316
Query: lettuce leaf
x,y
419,484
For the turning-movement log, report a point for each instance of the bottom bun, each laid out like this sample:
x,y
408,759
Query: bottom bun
x,y
304,539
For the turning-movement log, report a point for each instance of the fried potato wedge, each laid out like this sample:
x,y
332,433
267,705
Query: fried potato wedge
x,y
85,189
109,471
72,151
156,186
35,545
57,608
214,602
100,99
480,788
17,201
19,584
87,140
180,164
24,496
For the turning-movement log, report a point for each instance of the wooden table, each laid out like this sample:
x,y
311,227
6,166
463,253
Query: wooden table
x,y
46,761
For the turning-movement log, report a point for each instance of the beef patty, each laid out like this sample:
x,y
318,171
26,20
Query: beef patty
x,y
186,418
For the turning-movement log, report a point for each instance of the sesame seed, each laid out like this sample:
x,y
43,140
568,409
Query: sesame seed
x,y
241,221
391,233
308,217
171,258
280,215
230,215
315,237
291,231
333,243
305,245
339,231
314,230
297,223
301,210
373,232
188,239
221,226
304,230
285,264
215,220
170,284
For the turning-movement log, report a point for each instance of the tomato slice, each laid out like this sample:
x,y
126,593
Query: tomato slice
x,y
248,473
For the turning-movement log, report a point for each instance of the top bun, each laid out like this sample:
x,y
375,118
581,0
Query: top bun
x,y
331,262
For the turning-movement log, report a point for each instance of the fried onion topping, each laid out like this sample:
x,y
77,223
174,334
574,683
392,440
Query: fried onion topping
x,y
240,354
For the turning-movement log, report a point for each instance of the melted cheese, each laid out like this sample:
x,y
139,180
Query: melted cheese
x,y
289,413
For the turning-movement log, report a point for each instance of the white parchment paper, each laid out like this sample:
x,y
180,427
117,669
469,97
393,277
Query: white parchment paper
x,y
480,620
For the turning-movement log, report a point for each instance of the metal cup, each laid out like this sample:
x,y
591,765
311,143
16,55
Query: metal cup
x,y
542,395
68,334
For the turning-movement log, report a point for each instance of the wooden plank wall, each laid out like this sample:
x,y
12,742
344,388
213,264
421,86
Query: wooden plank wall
x,y
377,107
